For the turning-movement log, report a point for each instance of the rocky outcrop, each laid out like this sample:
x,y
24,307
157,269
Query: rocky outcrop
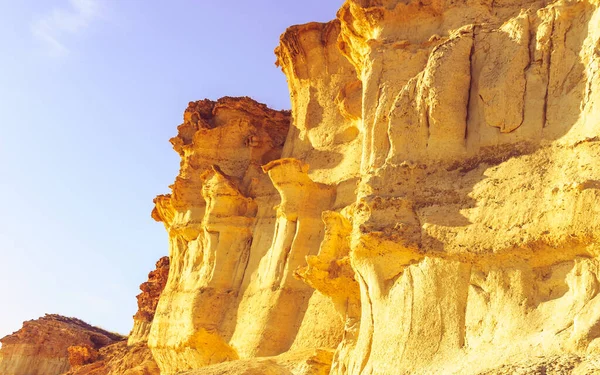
x,y
41,347
132,357
147,301
81,355
479,124
55,345
210,216
115,359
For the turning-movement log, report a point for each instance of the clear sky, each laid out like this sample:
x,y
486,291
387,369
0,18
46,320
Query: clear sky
x,y
90,93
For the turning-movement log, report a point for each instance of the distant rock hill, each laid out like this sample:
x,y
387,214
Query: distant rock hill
x,y
54,345
41,347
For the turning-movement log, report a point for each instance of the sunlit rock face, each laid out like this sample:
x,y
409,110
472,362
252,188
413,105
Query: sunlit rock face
x,y
475,229
430,205
231,292
41,347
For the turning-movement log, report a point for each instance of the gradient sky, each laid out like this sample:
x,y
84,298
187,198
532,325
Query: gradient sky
x,y
90,93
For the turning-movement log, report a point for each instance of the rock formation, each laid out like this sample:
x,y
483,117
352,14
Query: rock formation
x,y
116,359
230,293
41,347
437,185
147,301
430,205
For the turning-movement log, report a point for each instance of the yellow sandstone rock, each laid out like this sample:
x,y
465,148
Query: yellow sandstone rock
x,y
231,292
434,208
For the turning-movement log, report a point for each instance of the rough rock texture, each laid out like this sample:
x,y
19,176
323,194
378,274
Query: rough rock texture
x,y
308,362
147,301
231,292
116,359
82,355
438,188
474,232
41,347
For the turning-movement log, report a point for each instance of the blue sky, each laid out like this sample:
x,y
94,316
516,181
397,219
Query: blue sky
x,y
90,93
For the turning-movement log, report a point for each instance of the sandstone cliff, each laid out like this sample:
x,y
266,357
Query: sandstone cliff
x,y
41,346
435,201
230,293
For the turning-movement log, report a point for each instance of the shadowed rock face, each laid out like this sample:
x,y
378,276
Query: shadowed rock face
x,y
41,346
147,301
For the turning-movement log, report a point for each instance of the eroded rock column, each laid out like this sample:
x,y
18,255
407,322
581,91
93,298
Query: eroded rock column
x,y
210,217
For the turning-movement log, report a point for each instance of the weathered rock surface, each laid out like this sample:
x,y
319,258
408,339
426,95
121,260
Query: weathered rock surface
x,y
232,294
438,185
307,362
147,301
115,359
41,347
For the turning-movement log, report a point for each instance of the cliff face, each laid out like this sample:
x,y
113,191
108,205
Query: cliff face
x,y
41,347
475,231
231,293
435,201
